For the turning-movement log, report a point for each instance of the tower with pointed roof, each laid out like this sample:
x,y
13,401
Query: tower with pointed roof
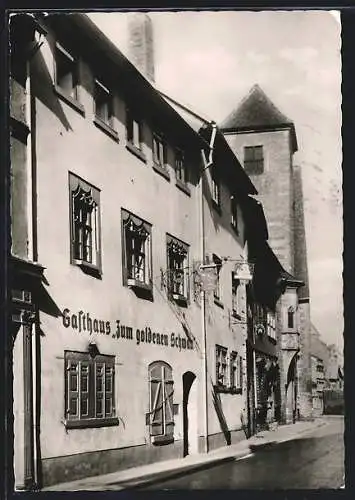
x,y
264,140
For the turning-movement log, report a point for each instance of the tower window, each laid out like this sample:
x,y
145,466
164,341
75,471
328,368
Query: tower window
x,y
291,317
254,160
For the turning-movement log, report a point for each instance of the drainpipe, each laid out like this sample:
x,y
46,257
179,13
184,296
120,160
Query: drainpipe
x,y
206,164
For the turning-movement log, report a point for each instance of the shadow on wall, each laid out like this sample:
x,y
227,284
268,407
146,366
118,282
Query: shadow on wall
x,y
217,403
43,89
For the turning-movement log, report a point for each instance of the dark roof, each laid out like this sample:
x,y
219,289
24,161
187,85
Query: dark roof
x,y
83,34
257,112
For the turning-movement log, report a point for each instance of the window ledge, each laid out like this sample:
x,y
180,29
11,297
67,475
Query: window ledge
x,y
235,229
69,100
92,422
142,290
179,299
161,170
217,206
88,268
227,390
105,127
136,151
218,302
236,315
161,440
183,186
132,283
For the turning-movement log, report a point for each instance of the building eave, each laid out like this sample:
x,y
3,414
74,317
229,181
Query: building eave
x,y
99,49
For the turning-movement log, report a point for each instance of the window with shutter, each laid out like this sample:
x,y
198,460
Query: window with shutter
x,y
89,394
161,400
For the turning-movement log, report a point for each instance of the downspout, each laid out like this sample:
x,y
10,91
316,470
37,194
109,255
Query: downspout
x,y
206,164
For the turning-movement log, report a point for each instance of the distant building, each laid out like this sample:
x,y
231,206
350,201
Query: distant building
x,y
264,140
335,368
320,362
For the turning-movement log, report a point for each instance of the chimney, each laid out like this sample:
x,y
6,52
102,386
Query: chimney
x,y
141,44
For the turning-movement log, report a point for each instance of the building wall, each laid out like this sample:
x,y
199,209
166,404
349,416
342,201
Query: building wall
x,y
274,187
227,411
68,141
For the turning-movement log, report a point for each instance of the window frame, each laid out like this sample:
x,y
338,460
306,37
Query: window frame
x,y
84,359
159,145
167,434
271,325
215,188
107,124
73,97
178,248
217,292
135,147
235,296
78,185
181,171
250,160
234,214
235,372
134,224
220,356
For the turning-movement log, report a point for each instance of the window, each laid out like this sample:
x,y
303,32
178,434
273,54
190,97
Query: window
x,y
235,288
89,390
234,213
290,317
221,366
217,291
66,74
253,160
216,188
235,362
134,130
137,268
180,167
159,151
271,325
84,224
177,255
259,318
103,104
161,397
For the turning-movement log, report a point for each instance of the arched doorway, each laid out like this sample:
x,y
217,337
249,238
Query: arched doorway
x,y
189,405
291,391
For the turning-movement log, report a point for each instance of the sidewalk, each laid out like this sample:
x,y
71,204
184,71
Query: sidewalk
x,y
148,474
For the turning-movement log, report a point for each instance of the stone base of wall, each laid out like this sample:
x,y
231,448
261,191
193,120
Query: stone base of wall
x,y
72,467
221,439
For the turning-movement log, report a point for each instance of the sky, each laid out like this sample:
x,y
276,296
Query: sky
x,y
210,60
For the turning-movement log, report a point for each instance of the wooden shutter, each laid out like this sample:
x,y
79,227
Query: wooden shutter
x,y
156,400
72,390
161,400
99,390
84,389
168,385
109,391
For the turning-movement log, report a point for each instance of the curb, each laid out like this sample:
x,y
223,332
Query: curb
x,y
172,474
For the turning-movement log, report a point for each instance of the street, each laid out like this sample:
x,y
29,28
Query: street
x,y
313,460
